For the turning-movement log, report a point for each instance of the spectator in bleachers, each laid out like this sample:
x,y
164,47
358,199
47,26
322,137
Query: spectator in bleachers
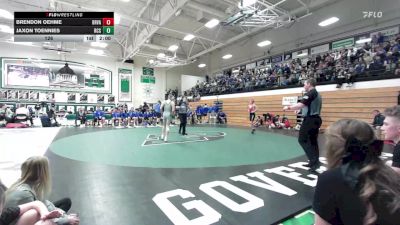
x,y
358,187
344,65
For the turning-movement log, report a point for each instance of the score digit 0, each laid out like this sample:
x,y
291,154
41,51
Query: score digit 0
x,y
108,30
108,21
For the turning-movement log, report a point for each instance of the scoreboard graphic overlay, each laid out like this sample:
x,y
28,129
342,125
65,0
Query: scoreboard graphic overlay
x,y
63,26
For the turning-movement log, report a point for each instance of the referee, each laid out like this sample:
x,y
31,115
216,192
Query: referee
x,y
310,104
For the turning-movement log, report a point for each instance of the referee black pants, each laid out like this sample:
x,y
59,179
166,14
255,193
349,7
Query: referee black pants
x,y
308,138
183,120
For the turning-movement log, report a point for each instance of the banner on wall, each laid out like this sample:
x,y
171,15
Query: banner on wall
x,y
320,49
33,96
50,96
42,96
148,80
276,59
343,43
289,100
72,97
23,95
125,84
300,54
3,94
288,56
100,98
387,32
83,98
148,71
111,99
61,96
12,95
260,63
250,66
54,75
92,98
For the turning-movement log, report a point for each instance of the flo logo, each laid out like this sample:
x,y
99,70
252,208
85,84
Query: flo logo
x,y
174,138
372,14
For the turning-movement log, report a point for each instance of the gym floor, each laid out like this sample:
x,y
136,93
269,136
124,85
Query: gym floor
x,y
225,175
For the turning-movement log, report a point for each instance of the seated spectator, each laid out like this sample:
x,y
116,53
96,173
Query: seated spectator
x,y
358,188
212,116
33,213
51,113
276,122
116,117
22,114
9,115
268,119
98,117
37,110
340,78
285,123
81,116
33,185
259,122
221,118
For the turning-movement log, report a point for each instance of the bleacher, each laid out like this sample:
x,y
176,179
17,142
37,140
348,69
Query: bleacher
x,y
356,103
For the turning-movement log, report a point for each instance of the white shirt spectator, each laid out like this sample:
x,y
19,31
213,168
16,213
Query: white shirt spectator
x,y
22,110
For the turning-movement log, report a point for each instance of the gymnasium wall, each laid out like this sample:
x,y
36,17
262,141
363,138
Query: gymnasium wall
x,y
139,90
355,102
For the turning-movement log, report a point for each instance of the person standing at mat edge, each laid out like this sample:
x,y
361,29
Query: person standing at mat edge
x,y
310,104
252,108
167,110
183,110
